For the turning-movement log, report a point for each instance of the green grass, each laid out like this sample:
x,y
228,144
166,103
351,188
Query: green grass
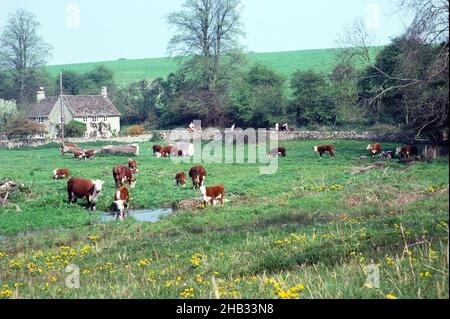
x,y
284,235
286,63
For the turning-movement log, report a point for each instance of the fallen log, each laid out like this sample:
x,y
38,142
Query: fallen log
x,y
132,149
358,170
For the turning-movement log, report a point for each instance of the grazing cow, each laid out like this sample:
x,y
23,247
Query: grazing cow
x,y
212,192
67,147
375,149
89,153
132,164
157,149
197,174
387,154
79,154
167,151
122,202
180,179
60,173
89,189
321,149
406,151
121,173
277,151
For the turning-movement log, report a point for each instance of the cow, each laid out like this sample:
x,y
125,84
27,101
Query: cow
x,y
121,173
67,147
157,149
167,151
89,154
212,192
277,151
122,202
406,151
197,174
180,179
60,173
387,154
89,189
132,164
375,149
321,149
79,154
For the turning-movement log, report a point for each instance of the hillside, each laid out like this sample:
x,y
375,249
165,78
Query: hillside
x,y
286,63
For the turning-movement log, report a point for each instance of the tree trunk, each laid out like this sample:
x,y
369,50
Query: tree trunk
x,y
132,149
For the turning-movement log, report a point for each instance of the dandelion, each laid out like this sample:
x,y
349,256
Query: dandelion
x,y
3,254
93,237
187,293
390,297
144,262
425,274
86,271
197,259
6,293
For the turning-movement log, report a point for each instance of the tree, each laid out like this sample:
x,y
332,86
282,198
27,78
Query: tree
x,y
95,79
23,128
206,30
73,129
8,111
73,83
22,50
312,102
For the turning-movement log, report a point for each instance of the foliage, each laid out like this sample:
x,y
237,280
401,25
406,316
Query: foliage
x,y
73,129
8,111
23,128
136,130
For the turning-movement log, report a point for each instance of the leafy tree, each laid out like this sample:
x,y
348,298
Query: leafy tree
x,y
23,128
22,52
73,83
8,111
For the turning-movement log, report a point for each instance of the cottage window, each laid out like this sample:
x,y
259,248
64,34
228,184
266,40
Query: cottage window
x,y
85,119
40,119
105,118
95,119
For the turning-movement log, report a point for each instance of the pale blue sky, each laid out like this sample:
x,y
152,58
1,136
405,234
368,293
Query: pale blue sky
x,y
111,29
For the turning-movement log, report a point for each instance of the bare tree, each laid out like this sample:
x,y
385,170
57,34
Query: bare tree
x,y
21,47
206,30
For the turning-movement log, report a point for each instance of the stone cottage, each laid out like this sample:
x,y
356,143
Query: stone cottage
x,y
101,117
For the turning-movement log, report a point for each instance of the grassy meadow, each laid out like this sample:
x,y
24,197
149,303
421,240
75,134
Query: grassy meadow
x,y
312,230
134,70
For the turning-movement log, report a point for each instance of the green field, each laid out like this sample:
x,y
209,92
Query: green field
x,y
286,63
312,230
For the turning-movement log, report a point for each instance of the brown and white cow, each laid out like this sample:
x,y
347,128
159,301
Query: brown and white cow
x,y
157,149
197,175
68,148
322,149
89,154
375,149
60,173
122,202
210,193
132,164
406,151
123,173
89,189
167,151
277,151
180,179
79,154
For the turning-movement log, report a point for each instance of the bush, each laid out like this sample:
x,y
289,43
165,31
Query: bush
x,y
74,129
23,128
136,130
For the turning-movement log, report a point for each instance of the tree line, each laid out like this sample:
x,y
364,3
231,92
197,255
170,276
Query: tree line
x,y
405,84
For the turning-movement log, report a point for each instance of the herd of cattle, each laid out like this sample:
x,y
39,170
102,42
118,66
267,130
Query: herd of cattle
x,y
91,190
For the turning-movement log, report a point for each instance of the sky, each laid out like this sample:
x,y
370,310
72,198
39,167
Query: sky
x,y
105,30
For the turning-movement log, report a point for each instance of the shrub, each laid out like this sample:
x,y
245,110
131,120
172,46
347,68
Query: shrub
x,y
23,128
74,129
136,130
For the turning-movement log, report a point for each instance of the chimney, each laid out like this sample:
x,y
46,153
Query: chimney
x,y
40,95
104,91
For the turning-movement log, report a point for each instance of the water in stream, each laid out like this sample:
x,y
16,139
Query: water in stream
x,y
144,215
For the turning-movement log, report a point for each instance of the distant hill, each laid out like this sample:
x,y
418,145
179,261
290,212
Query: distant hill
x,y
286,63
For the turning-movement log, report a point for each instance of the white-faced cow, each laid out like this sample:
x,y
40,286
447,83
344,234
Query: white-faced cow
x,y
132,164
89,154
79,154
60,173
322,149
123,173
180,179
211,193
122,202
89,189
375,149
197,175
407,151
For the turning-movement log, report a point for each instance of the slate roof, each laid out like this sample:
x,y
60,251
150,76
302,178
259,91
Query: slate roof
x,y
79,105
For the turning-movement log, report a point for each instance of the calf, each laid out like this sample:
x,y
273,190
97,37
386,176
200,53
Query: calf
x,y
157,149
406,151
60,173
197,174
89,153
132,164
167,151
180,179
277,151
321,149
121,173
122,202
213,192
89,189
79,154
387,154
375,149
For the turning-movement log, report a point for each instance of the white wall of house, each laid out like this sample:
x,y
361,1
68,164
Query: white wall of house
x,y
90,121
55,118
